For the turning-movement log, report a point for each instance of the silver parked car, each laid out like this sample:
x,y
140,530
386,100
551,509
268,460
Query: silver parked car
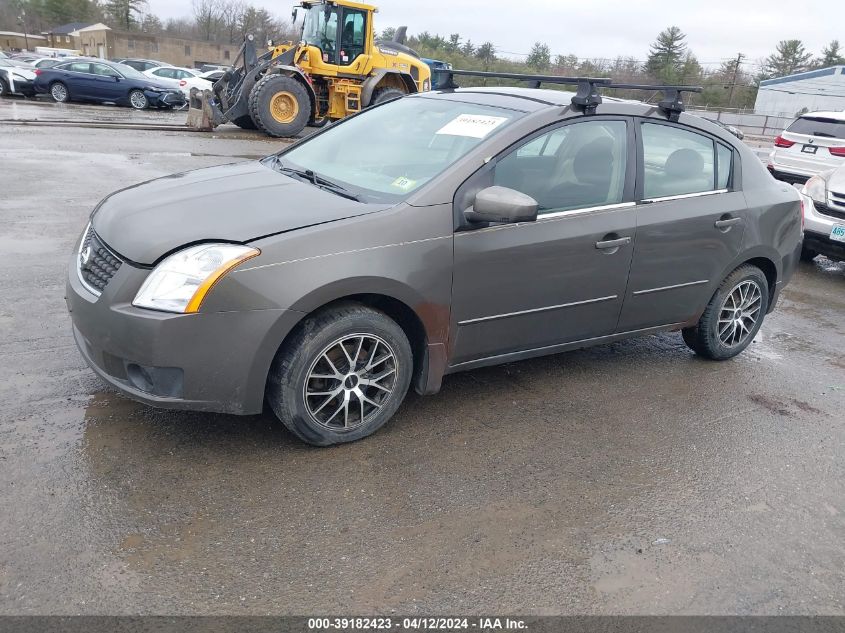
x,y
432,234
824,228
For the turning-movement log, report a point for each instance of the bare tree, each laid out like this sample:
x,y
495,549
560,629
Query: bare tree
x,y
230,17
207,14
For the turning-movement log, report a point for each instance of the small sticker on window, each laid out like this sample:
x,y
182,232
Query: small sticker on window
x,y
473,125
403,183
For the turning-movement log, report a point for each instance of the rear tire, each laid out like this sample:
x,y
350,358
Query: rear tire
x,y
382,95
59,92
733,317
4,88
245,122
279,105
808,255
311,362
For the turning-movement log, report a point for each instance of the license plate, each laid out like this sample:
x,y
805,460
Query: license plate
x,y
809,149
837,233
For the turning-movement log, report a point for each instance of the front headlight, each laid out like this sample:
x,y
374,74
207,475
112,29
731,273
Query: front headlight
x,y
815,188
426,85
181,281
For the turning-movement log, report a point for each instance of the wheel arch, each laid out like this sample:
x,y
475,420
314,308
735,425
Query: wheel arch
x,y
763,258
399,310
386,78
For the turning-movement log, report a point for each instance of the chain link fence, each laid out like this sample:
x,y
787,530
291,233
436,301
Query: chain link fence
x,y
749,122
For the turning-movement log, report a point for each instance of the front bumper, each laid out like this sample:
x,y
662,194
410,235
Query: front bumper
x,y
175,98
817,227
25,87
214,361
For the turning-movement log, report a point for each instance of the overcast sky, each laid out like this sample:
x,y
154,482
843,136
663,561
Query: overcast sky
x,y
716,29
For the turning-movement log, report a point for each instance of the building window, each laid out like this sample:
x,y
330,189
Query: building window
x,y
187,50
130,44
225,54
67,39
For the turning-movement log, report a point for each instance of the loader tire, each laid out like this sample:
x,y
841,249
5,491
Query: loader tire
x,y
386,94
279,105
244,122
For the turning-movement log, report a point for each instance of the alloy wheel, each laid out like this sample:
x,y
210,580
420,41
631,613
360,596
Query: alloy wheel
x,y
138,100
739,313
350,382
58,92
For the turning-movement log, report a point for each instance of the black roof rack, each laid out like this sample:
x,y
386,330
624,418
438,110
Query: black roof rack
x,y
587,96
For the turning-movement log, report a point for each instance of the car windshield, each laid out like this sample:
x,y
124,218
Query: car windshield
x,y
818,126
385,153
129,72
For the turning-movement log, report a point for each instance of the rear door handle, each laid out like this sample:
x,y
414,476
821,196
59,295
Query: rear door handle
x,y
622,241
727,223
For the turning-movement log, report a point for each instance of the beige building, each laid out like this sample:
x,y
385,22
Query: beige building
x,y
98,40
13,41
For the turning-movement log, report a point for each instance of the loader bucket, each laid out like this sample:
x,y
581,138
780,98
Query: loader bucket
x,y
199,110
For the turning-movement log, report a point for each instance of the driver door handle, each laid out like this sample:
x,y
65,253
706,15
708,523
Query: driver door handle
x,y
727,223
605,244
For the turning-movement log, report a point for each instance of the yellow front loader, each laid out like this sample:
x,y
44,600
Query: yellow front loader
x,y
336,69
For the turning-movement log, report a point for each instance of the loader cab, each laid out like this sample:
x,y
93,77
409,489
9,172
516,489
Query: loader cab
x,y
341,31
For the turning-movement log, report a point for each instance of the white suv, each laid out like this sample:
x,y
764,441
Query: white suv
x,y
824,219
813,143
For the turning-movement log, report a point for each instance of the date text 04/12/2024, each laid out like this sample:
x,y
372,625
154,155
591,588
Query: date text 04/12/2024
x,y
417,623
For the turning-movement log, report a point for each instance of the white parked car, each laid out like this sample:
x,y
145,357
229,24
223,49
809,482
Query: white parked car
x,y
813,143
16,78
182,78
824,217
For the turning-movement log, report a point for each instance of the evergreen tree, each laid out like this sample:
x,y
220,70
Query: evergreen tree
x,y
832,55
540,57
122,12
789,58
668,56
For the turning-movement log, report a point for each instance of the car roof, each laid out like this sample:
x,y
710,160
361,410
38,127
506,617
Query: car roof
x,y
519,98
829,114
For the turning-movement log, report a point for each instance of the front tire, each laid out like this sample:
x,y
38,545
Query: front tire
x,y
4,88
59,92
279,105
733,317
341,376
382,95
138,100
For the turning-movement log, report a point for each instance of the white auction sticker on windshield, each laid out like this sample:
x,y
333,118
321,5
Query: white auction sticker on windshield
x,y
474,125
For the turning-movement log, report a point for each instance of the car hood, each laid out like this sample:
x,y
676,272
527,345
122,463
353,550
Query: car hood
x,y
232,203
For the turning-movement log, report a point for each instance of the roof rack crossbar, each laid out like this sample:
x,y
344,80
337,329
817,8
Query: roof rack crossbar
x,y
587,96
672,103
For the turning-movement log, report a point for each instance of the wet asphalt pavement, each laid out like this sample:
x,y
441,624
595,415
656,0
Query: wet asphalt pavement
x,y
628,478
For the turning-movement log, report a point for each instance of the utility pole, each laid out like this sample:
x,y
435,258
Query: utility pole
x,y
22,20
737,63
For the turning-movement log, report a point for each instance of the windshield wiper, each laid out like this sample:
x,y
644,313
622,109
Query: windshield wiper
x,y
314,179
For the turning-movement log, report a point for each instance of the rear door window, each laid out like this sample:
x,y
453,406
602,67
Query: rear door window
x,y
676,161
818,126
79,67
724,165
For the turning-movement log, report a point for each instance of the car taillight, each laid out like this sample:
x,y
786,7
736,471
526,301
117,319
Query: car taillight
x,y
837,151
37,71
802,213
782,142
182,83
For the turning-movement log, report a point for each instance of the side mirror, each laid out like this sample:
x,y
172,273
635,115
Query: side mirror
x,y
116,77
500,204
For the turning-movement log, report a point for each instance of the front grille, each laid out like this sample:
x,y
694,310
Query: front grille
x,y
837,199
830,212
96,263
